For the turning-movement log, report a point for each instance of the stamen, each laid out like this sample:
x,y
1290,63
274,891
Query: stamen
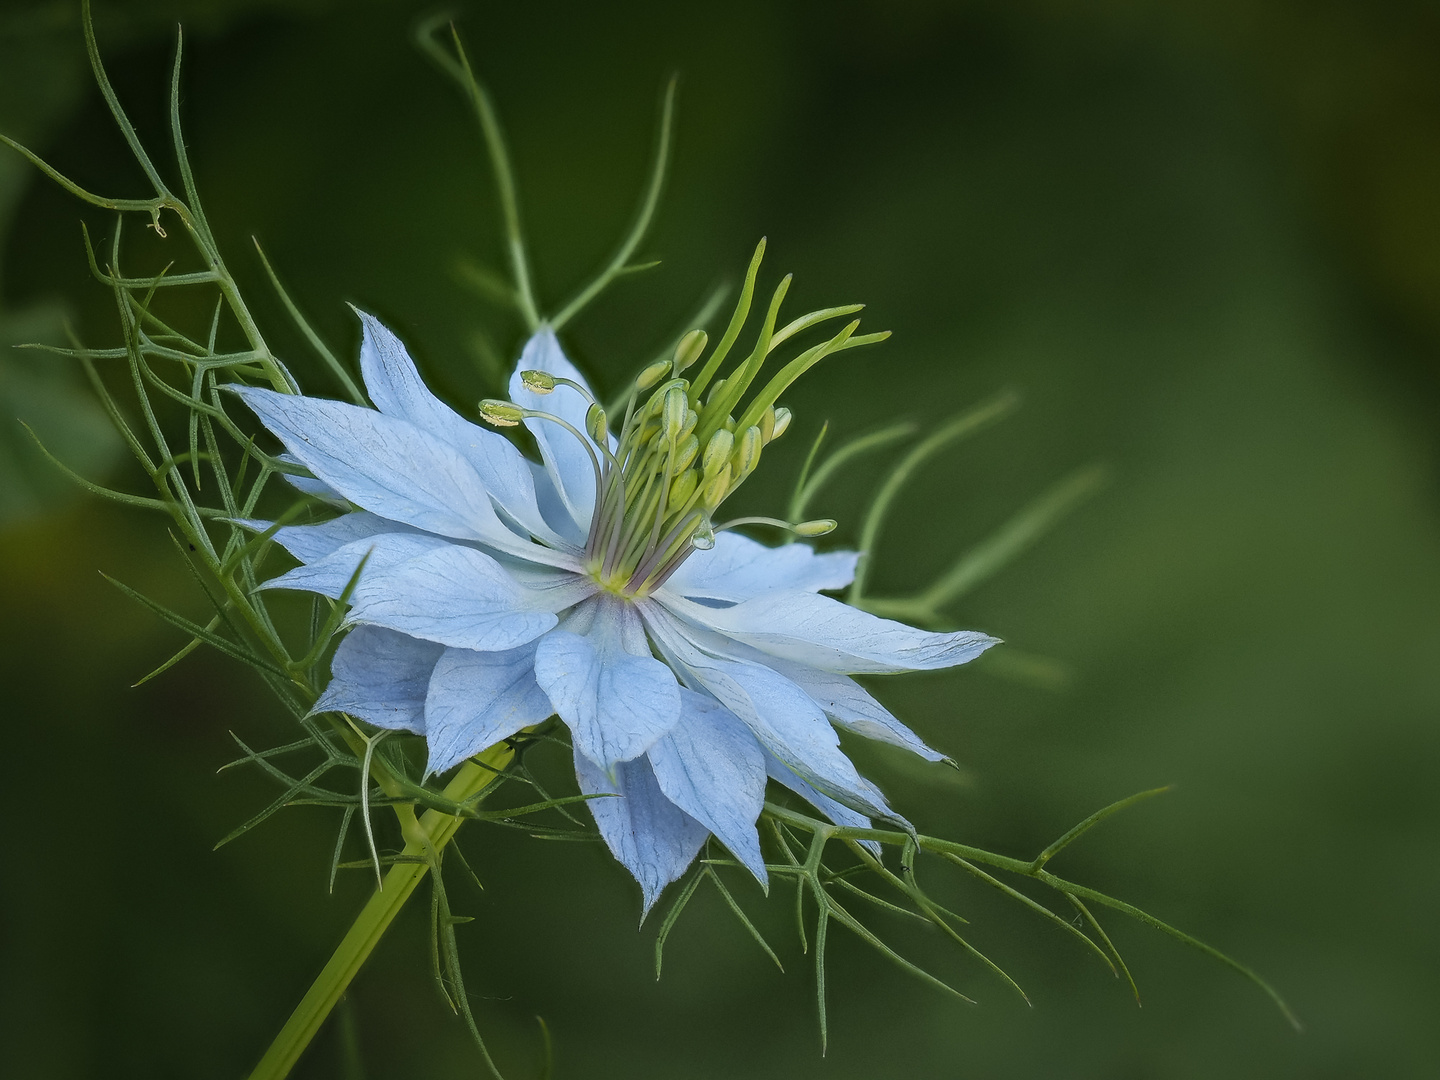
x,y
817,527
783,417
652,374
500,413
681,452
689,349
589,447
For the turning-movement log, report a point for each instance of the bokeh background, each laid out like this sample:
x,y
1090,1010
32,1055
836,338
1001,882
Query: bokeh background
x,y
1201,236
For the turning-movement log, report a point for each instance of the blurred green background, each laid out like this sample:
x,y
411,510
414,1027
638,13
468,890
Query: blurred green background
x,y
1203,238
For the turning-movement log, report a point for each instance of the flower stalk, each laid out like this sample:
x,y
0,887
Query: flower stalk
x,y
425,838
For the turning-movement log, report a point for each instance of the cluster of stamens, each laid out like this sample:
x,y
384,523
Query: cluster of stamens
x,y
680,451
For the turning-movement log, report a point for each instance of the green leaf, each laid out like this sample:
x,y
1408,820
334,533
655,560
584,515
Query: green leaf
x,y
744,920
809,485
229,648
962,426
619,262
1090,822
458,68
321,349
1035,906
672,916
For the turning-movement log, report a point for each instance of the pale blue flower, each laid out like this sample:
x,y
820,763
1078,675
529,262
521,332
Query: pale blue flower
x,y
689,665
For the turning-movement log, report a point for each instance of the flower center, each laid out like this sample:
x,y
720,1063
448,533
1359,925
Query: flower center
x,y
671,468
681,451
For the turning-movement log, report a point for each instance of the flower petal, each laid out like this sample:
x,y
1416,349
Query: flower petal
x,y
826,634
845,701
786,721
710,766
615,697
738,568
397,390
475,699
454,595
308,484
330,574
651,837
852,707
381,677
311,543
386,465
565,456
552,508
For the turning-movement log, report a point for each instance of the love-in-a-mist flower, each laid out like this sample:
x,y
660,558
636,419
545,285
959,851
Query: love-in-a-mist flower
x,y
690,663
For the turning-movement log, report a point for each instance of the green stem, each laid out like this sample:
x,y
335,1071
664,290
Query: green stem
x,y
425,837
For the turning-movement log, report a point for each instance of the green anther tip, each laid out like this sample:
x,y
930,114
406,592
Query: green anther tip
x,y
818,527
596,425
677,408
538,382
717,452
767,425
783,416
652,374
689,349
682,488
717,487
747,452
685,453
499,413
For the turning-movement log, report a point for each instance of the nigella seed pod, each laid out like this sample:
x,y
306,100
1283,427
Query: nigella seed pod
x,y
500,413
596,425
538,382
717,452
689,349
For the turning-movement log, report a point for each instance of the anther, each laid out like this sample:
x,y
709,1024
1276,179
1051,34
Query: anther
x,y
652,375
595,424
717,451
689,349
538,382
818,527
747,453
767,425
782,421
656,404
500,413
716,488
685,454
682,488
677,408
